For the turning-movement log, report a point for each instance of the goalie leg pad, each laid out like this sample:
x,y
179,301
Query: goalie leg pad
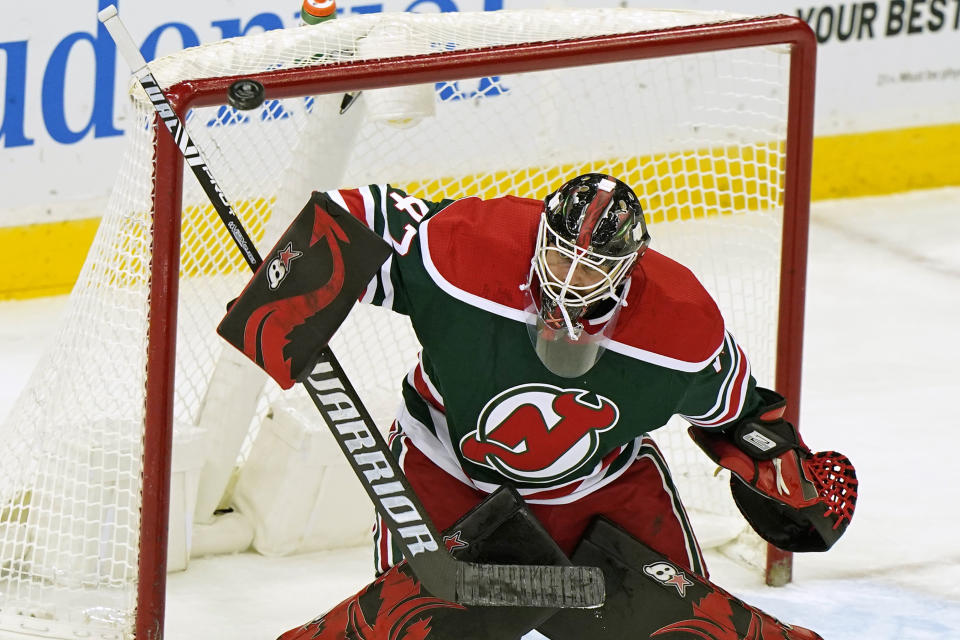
x,y
498,530
649,596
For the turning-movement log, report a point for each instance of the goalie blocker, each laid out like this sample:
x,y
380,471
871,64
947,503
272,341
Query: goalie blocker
x,y
292,306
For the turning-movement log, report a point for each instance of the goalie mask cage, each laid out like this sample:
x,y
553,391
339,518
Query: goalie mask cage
x,y
709,117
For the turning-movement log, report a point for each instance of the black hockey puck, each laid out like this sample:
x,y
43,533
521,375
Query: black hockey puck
x,y
245,94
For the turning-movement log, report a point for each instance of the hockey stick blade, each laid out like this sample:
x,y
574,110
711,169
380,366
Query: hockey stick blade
x,y
440,573
530,586
348,100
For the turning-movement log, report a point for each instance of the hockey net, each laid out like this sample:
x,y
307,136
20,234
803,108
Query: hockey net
x,y
707,115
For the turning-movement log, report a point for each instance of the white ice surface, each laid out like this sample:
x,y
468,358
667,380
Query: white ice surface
x,y
881,353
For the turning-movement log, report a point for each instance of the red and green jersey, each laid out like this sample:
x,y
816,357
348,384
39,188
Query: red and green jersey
x,y
479,401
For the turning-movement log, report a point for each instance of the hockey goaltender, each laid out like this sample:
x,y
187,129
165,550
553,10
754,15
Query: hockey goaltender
x,y
554,341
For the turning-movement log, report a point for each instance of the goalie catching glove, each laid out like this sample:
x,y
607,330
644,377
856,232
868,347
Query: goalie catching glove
x,y
794,499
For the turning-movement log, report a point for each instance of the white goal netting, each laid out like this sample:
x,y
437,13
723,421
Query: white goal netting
x,y
700,136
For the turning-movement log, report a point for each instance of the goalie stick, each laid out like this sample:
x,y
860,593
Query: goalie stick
x,y
442,575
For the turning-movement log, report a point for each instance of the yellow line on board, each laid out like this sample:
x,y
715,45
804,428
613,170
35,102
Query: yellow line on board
x,y
45,259
884,162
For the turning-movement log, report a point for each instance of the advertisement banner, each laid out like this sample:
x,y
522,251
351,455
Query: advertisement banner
x,y
882,65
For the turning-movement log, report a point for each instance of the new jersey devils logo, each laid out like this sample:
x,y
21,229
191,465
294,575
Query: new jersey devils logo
x,y
539,433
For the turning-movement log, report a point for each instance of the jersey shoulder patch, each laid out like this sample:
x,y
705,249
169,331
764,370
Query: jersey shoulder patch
x,y
479,251
670,319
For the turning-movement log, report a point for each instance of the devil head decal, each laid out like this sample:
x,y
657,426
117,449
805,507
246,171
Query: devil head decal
x,y
538,433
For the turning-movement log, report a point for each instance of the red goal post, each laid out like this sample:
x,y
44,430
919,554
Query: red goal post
x,y
763,175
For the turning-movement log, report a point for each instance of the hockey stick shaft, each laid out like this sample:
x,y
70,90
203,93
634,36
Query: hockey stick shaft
x,y
191,154
368,453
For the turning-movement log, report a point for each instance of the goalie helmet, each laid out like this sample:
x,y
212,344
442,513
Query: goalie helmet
x,y
591,234
597,213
